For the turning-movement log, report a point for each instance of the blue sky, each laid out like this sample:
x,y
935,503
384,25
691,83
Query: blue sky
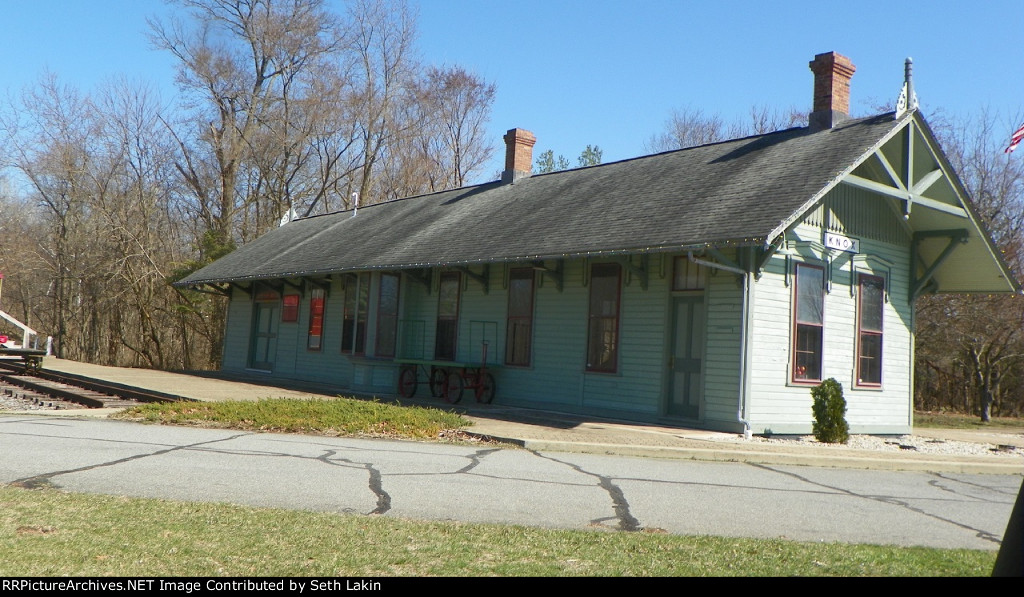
x,y
609,72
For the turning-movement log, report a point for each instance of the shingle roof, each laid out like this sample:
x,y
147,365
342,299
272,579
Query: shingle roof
x,y
732,193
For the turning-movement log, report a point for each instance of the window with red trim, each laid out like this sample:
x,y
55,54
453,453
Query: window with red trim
x,y
808,322
870,292
603,329
316,319
290,308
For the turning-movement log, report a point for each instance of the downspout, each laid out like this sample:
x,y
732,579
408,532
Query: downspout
x,y
747,325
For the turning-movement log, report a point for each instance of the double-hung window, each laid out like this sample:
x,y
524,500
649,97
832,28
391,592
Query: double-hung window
x,y
808,323
603,329
290,308
447,316
519,329
357,302
870,293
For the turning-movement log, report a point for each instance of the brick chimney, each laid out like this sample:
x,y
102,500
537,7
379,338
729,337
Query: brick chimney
x,y
518,154
832,74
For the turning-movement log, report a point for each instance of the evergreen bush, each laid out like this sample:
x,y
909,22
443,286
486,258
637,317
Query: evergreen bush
x,y
830,413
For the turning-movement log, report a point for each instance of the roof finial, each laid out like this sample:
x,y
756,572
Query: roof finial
x,y
908,98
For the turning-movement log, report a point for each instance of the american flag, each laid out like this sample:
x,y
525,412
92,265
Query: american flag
x,y
1015,139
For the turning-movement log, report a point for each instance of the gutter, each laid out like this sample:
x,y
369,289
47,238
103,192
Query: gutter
x,y
745,346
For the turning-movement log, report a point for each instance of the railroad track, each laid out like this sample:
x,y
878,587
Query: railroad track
x,y
50,390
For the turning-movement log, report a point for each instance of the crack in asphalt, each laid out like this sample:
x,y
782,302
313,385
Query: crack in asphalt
x,y
376,484
475,458
46,479
938,485
979,533
621,520
620,505
375,479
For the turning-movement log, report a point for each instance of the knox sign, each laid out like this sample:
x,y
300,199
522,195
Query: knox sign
x,y
842,243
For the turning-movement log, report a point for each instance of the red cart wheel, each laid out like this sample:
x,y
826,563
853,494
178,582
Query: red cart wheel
x,y
407,382
438,382
485,388
453,393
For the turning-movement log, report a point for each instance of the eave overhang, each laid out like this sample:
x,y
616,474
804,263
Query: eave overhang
x,y
952,250
219,283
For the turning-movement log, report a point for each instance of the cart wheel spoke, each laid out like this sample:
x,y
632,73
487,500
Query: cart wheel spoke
x,y
453,393
438,382
407,382
485,388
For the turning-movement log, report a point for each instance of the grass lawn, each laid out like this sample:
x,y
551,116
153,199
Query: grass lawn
x,y
51,533
961,421
343,416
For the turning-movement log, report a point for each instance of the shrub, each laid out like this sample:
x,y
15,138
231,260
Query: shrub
x,y
830,413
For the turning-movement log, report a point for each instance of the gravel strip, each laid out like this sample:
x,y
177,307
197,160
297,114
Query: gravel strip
x,y
10,403
898,443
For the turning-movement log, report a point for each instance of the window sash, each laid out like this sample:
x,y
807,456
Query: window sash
x,y
807,351
290,308
808,323
357,302
446,336
688,275
870,315
603,316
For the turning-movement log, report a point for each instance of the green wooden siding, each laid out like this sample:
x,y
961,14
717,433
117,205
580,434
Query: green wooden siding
x,y
779,406
722,354
237,332
556,377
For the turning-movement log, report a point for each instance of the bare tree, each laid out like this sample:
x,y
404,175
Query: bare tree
x,y
380,39
243,64
970,352
456,105
690,127
284,107
49,140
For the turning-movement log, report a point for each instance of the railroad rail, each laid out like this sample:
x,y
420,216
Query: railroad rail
x,y
63,391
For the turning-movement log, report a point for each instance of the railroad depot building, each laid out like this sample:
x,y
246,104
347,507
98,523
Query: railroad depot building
x,y
708,287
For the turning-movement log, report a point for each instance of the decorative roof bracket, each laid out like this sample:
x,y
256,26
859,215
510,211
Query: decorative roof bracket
x,y
422,275
557,275
482,279
918,285
723,260
324,285
640,271
766,255
248,290
279,287
213,289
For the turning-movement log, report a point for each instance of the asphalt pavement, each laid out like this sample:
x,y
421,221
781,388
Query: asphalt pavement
x,y
576,472
551,431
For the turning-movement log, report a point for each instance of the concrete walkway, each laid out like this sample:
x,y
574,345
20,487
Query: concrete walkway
x,y
549,431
